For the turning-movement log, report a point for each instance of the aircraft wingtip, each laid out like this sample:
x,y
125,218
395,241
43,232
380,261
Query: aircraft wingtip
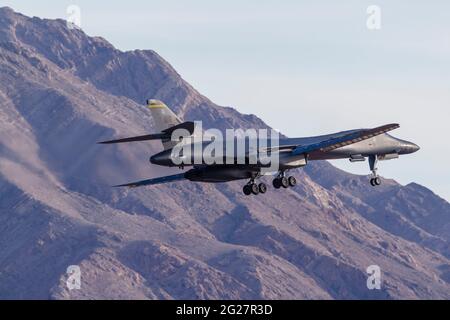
x,y
104,142
125,185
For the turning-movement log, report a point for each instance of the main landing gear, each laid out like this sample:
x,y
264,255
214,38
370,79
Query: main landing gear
x,y
253,188
375,180
282,181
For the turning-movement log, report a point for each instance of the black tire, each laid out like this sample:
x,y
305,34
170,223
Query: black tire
x,y
262,188
292,181
377,181
254,188
372,182
276,183
247,190
284,182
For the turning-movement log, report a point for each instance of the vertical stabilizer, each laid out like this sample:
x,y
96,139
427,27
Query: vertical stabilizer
x,y
163,118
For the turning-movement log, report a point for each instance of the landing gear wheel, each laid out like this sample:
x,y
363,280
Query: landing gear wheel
x,y
254,188
284,182
377,181
262,188
247,190
292,181
276,183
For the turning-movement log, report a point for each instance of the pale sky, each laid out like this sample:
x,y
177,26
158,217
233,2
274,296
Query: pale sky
x,y
304,67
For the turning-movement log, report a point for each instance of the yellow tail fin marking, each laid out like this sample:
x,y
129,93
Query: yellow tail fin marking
x,y
155,104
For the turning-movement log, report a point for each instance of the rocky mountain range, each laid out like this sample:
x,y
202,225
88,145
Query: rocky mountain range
x,y
61,91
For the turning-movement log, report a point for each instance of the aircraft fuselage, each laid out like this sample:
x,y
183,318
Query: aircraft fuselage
x,y
381,145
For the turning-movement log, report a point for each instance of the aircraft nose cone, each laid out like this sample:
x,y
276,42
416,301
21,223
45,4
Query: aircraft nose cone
x,y
411,147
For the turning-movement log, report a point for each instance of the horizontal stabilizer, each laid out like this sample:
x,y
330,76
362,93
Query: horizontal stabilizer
x,y
153,181
350,138
189,126
165,135
155,136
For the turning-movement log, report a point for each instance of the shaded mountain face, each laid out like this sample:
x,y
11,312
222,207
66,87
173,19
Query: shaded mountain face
x,y
61,91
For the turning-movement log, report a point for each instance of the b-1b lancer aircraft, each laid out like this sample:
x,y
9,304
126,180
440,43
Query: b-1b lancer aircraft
x,y
288,153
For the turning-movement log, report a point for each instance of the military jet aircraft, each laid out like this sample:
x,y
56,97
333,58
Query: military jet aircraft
x,y
355,145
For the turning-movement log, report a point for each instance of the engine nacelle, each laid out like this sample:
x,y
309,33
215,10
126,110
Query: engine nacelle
x,y
388,156
357,158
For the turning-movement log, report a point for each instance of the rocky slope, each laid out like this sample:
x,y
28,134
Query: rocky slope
x,y
61,91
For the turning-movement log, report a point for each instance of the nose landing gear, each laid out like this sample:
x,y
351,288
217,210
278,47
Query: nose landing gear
x,y
375,180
